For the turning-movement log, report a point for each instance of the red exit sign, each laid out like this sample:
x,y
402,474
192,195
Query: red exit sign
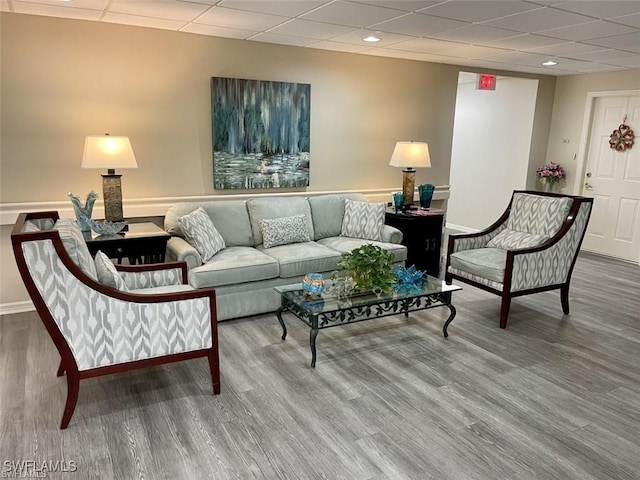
x,y
486,82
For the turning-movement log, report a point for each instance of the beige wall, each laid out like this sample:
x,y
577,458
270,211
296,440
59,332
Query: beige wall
x,y
64,79
567,121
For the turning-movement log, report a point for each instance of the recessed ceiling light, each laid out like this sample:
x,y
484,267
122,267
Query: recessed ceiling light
x,y
371,39
549,63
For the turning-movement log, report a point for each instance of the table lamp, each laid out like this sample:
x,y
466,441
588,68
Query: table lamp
x,y
110,152
410,155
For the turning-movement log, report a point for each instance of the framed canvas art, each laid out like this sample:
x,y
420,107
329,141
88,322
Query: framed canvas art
x,y
261,133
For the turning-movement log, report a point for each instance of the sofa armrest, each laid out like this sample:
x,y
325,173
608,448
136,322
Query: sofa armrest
x,y
178,249
391,234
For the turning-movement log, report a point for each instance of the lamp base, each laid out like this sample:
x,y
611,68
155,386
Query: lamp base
x,y
112,196
408,185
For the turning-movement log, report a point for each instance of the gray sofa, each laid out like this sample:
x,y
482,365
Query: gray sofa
x,y
244,273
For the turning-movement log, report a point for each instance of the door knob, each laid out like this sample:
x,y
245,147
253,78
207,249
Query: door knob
x,y
588,174
587,186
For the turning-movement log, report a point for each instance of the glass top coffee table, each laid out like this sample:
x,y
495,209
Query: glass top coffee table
x,y
324,311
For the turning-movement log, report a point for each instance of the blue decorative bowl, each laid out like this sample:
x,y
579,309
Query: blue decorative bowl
x,y
106,228
313,283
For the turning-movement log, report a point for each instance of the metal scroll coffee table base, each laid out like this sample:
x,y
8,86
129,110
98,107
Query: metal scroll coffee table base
x,y
324,311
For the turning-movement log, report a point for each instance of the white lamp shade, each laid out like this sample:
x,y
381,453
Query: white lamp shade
x,y
106,151
411,155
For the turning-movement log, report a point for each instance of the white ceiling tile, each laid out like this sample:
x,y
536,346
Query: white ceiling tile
x,y
138,21
473,51
424,45
600,9
288,8
631,20
351,14
56,11
519,58
538,20
419,25
631,62
565,48
475,34
340,47
305,28
230,18
214,31
630,42
404,5
525,42
474,11
355,37
601,55
282,39
167,9
87,4
597,29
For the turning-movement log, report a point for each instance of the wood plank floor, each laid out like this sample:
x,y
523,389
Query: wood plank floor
x,y
550,397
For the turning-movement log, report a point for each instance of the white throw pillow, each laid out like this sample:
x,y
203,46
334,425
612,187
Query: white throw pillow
x,y
284,230
511,240
200,232
363,220
107,273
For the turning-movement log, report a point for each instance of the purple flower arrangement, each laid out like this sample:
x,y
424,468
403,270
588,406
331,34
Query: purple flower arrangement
x,y
551,172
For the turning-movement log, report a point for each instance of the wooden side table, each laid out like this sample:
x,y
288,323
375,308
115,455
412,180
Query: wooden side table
x,y
422,235
143,242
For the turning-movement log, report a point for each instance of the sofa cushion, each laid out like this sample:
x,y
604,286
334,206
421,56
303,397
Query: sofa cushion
x,y
229,216
363,220
301,258
164,289
347,244
284,230
234,265
538,214
200,232
487,263
327,212
107,273
262,208
512,239
76,247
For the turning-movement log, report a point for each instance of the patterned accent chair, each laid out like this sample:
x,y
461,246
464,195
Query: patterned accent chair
x,y
531,248
154,318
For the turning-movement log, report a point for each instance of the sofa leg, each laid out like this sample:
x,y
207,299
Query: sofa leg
x,y
504,310
214,367
564,298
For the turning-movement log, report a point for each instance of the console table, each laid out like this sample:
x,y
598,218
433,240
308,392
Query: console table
x,y
422,235
143,242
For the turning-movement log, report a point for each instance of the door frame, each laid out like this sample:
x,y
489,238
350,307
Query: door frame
x,y
585,136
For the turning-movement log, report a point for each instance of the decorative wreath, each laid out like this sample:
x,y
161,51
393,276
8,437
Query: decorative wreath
x,y
622,138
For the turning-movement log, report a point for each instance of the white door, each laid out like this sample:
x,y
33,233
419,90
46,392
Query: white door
x,y
612,178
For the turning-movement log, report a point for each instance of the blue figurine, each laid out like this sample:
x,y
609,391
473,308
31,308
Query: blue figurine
x,y
83,212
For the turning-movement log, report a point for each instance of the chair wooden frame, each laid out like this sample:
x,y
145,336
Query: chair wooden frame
x,y
68,362
505,293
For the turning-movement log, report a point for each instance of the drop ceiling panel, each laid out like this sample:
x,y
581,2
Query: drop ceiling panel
x,y
283,39
356,36
597,29
606,9
87,4
56,11
525,42
426,45
214,31
404,5
139,21
351,14
316,30
288,8
230,18
538,20
629,42
167,9
419,25
565,48
340,47
476,12
630,20
475,34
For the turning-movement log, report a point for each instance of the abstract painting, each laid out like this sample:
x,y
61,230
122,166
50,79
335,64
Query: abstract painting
x,y
261,133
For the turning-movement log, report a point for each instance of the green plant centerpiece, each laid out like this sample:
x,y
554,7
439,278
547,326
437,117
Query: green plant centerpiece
x,y
370,267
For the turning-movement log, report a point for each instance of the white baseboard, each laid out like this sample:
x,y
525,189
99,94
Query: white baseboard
x,y
16,307
460,228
